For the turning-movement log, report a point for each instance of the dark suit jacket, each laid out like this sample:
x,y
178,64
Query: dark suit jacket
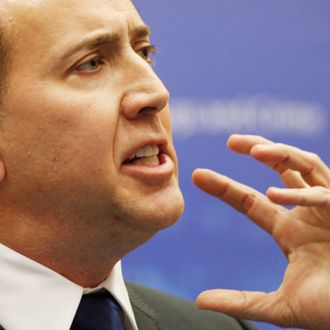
x,y
158,311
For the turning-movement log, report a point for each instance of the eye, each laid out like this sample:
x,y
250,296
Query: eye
x,y
146,53
90,65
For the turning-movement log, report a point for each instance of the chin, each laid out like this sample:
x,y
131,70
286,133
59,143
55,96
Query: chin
x,y
168,215
157,212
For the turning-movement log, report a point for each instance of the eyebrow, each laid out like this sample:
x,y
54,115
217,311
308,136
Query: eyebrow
x,y
140,31
107,38
94,41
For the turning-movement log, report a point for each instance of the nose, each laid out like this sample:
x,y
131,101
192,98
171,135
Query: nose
x,y
145,94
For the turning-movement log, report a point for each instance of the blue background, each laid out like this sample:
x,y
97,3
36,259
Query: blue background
x,y
250,66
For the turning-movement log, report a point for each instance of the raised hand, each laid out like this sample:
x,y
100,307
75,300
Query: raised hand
x,y
303,234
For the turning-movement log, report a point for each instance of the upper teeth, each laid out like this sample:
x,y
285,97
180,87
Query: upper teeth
x,y
147,151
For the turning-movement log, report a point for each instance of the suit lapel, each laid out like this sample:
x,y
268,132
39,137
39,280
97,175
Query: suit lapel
x,y
145,316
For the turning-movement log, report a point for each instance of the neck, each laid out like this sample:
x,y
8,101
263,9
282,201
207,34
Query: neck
x,y
84,255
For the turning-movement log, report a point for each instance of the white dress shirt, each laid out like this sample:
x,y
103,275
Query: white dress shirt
x,y
34,297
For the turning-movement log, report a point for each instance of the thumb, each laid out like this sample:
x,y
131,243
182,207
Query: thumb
x,y
258,306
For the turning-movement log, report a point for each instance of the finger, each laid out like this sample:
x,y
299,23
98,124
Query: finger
x,y
258,306
244,143
312,197
312,170
282,157
243,198
293,179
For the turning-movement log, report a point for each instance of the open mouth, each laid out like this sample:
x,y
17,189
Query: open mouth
x,y
148,155
150,163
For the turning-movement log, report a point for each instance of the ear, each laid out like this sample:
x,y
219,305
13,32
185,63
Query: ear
x,y
2,170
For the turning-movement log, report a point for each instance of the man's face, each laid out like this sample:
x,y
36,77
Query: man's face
x,y
86,128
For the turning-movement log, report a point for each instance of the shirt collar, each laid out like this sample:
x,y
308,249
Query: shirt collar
x,y
34,297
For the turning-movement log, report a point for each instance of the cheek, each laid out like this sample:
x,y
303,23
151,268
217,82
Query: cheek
x,y
53,136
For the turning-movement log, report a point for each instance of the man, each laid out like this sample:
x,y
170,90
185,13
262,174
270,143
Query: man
x,y
88,168
88,172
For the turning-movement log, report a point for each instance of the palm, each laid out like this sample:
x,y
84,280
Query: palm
x,y
303,234
307,275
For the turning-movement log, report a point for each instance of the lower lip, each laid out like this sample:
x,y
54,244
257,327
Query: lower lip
x,y
161,172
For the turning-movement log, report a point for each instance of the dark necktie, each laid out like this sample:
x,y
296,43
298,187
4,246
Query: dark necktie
x,y
98,311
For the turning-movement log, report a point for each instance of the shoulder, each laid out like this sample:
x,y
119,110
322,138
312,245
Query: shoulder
x,y
170,312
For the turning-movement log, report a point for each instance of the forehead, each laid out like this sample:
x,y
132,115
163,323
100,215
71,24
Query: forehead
x,y
50,21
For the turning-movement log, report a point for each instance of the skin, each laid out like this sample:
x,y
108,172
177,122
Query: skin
x,y
303,234
69,202
68,124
